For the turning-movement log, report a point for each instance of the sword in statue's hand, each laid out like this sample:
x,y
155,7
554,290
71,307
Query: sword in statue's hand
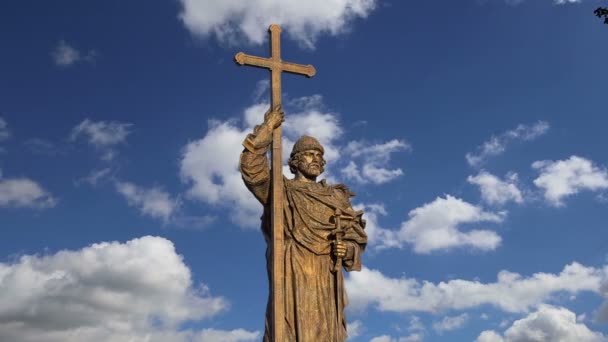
x,y
340,250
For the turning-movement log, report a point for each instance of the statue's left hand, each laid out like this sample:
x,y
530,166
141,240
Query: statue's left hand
x,y
339,249
274,117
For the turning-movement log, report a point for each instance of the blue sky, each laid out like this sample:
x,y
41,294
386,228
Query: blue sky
x,y
473,133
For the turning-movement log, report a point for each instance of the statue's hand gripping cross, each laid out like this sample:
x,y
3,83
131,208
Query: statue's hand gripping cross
x,y
276,66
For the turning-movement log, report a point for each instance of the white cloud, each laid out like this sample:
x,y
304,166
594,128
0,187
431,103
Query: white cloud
x,y
435,226
451,323
355,329
416,325
415,337
304,21
4,132
65,55
602,313
498,144
511,292
311,120
153,202
210,165
193,222
90,288
24,193
377,236
261,88
562,178
496,191
489,336
548,323
377,152
374,158
95,176
103,135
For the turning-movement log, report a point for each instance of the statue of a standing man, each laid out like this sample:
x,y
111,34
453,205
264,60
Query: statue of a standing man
x,y
322,234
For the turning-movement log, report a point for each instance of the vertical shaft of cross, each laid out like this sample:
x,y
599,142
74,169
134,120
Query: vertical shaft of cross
x,y
278,263
276,66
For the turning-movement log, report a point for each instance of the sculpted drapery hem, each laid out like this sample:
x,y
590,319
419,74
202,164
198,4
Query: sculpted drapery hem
x,y
310,285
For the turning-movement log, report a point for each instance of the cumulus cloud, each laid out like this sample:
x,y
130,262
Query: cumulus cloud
x,y
374,159
548,323
139,290
498,144
435,226
24,193
377,236
210,168
65,55
311,120
489,336
450,323
103,135
231,21
511,292
496,191
153,202
563,178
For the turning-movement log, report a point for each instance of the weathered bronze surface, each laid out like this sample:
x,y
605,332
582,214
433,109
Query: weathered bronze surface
x,y
310,227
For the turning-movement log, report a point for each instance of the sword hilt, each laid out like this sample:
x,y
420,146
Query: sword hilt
x,y
338,233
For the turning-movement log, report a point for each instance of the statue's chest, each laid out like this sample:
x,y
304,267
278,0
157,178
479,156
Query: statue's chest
x,y
319,211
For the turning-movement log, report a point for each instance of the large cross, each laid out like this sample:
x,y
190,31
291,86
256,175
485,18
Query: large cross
x,y
276,66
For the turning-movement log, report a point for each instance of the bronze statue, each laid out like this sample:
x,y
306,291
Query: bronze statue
x,y
310,228
322,233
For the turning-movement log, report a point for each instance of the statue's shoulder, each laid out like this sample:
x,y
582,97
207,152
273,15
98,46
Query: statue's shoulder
x,y
340,188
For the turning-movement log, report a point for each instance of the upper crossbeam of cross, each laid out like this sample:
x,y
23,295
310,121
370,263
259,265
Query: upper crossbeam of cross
x,y
275,64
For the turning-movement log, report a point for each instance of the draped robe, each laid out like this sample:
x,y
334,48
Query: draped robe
x,y
311,312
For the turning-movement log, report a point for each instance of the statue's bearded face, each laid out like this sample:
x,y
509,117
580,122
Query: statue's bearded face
x,y
311,163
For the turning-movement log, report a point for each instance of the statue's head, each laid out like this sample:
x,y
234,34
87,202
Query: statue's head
x,y
307,157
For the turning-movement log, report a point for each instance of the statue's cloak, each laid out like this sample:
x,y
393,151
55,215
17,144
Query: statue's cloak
x,y
311,312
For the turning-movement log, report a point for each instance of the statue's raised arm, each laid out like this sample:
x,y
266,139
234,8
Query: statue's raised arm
x,y
254,161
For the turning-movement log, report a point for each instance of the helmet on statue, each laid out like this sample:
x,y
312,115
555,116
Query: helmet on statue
x,y
306,143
